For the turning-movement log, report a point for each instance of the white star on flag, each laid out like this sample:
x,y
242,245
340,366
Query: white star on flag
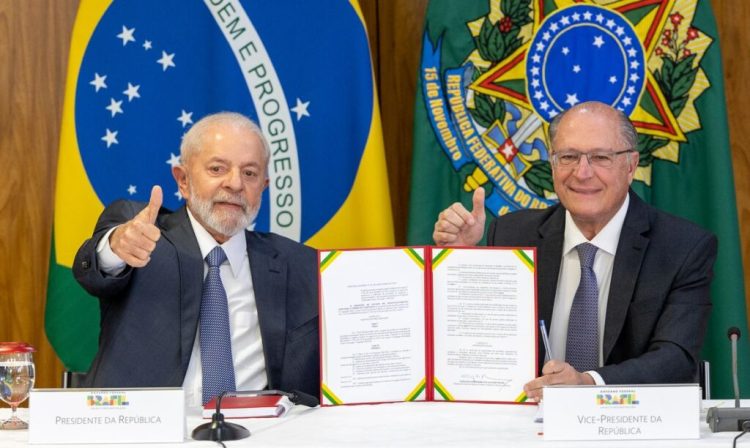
x,y
98,82
301,109
598,41
576,68
534,83
132,92
626,101
571,99
620,31
634,77
553,27
147,45
576,17
631,90
565,51
539,46
536,58
114,106
612,79
538,95
185,118
627,41
634,64
610,23
535,71
587,15
546,35
565,20
110,138
174,160
599,18
126,35
632,53
178,194
544,105
166,61
131,190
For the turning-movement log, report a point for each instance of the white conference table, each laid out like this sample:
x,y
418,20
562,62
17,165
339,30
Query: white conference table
x,y
404,424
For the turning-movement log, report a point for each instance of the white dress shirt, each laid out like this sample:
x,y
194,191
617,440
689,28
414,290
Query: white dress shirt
x,y
247,346
570,275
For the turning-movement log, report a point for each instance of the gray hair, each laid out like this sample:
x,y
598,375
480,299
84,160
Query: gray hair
x,y
193,139
628,134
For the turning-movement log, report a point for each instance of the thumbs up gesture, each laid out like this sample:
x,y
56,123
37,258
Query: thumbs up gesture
x,y
134,241
457,226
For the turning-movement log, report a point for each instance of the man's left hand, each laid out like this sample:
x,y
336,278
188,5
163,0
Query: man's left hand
x,y
555,372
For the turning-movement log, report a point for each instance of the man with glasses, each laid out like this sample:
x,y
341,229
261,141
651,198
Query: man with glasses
x,y
624,286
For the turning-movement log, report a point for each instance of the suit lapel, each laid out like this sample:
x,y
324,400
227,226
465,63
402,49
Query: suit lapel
x,y
177,229
269,273
551,233
627,264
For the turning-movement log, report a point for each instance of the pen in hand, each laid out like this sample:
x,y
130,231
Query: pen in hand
x,y
545,340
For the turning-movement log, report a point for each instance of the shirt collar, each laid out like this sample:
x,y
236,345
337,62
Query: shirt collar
x,y
235,247
605,240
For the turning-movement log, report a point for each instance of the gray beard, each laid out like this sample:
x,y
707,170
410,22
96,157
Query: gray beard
x,y
227,224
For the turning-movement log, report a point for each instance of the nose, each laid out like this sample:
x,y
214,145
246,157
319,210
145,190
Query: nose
x,y
583,169
233,180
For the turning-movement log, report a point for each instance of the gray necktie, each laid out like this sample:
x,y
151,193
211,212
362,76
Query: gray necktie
x,y
215,341
582,348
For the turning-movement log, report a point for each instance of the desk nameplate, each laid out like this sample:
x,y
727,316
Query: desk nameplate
x,y
106,415
622,412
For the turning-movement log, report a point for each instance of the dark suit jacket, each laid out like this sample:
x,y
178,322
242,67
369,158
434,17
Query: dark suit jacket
x,y
659,299
149,315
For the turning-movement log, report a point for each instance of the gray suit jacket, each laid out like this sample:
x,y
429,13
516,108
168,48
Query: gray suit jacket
x,y
659,300
149,316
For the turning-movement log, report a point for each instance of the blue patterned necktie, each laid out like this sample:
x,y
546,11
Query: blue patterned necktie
x,y
582,348
215,341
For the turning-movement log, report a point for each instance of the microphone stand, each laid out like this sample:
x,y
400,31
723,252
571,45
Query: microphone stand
x,y
218,429
736,418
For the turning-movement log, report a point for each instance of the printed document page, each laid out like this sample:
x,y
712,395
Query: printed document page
x,y
372,325
484,314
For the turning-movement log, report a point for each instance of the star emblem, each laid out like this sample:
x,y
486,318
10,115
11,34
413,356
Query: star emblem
x,y
99,82
126,35
613,79
114,106
131,190
598,41
185,118
565,51
147,45
110,138
576,68
571,99
132,92
166,60
301,109
178,195
174,160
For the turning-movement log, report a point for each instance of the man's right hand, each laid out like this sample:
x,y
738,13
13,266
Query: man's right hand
x,y
134,241
456,226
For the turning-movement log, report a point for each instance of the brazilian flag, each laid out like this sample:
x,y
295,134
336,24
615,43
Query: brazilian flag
x,y
142,72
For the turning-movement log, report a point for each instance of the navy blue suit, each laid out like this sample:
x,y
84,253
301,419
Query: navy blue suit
x,y
659,299
149,315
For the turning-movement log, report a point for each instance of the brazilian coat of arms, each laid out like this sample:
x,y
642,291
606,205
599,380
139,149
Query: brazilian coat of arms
x,y
532,61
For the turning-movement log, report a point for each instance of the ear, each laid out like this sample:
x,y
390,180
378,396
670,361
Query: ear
x,y
181,178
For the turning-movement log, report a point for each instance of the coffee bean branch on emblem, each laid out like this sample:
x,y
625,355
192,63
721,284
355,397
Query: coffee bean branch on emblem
x,y
675,77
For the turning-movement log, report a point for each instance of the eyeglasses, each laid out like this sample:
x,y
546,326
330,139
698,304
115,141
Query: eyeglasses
x,y
601,159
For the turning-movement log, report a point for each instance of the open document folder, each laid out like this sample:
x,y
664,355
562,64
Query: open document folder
x,y
422,323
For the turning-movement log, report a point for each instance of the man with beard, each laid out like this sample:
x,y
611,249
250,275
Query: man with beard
x,y
190,298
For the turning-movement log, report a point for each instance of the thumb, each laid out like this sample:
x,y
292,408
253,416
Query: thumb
x,y
478,205
154,204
